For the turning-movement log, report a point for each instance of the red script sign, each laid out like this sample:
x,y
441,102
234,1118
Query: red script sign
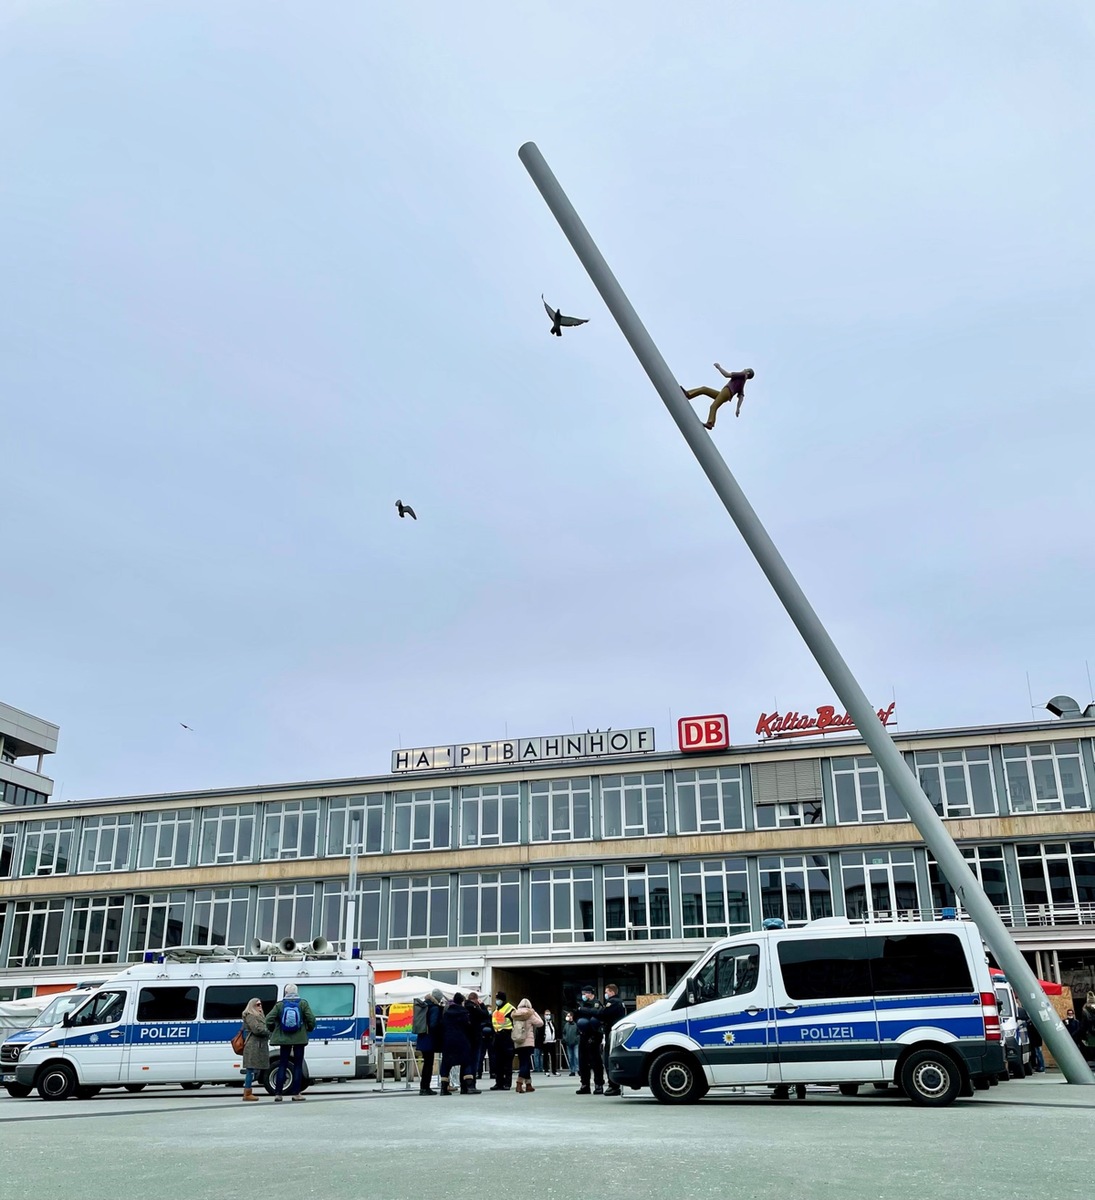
x,y
828,720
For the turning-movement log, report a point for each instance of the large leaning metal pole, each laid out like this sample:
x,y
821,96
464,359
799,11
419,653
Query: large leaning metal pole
x,y
851,695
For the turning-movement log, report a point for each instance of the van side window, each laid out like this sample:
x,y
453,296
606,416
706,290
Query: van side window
x,y
732,972
825,968
101,1009
167,1004
226,1001
923,964
329,999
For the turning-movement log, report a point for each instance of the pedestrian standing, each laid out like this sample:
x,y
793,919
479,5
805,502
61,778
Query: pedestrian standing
x,y
256,1045
550,1048
428,1042
290,1022
589,1043
502,1049
612,1013
456,1051
570,1042
479,1023
524,1021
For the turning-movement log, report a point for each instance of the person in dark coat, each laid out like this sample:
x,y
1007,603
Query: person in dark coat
x,y
427,1044
481,1031
590,1057
456,1047
612,1012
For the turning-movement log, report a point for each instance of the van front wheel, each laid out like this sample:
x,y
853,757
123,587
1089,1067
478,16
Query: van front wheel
x,y
930,1078
57,1082
676,1078
18,1091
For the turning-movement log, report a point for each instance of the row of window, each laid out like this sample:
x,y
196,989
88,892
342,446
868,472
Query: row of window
x,y
701,898
960,783
21,797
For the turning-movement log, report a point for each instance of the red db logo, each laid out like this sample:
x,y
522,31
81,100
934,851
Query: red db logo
x,y
703,733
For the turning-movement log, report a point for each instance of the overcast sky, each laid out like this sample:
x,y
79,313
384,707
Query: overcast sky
x,y
267,267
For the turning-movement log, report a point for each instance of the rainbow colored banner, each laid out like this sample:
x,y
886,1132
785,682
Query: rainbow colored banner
x,y
398,1029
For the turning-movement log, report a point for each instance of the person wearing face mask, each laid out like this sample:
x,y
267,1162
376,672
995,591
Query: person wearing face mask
x,y
588,1014
549,1046
570,1042
612,1012
502,1050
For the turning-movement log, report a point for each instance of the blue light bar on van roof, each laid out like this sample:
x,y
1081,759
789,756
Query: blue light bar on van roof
x,y
949,914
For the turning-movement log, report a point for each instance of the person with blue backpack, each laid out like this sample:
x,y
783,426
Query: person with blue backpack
x,y
290,1022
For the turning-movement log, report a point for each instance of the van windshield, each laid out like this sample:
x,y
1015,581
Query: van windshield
x,y
53,1012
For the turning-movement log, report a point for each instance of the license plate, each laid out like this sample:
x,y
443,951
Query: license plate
x,y
7,1078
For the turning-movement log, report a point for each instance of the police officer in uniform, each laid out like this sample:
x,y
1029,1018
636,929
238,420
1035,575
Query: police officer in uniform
x,y
588,1015
613,1012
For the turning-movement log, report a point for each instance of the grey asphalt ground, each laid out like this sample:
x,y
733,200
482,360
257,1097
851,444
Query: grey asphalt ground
x,y
1029,1138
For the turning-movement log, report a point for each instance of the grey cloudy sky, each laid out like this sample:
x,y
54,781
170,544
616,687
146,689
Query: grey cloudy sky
x,y
266,267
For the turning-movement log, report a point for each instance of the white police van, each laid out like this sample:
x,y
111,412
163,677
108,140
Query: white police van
x,y
172,1022
832,1002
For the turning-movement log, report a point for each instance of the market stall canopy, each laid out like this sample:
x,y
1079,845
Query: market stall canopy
x,y
411,987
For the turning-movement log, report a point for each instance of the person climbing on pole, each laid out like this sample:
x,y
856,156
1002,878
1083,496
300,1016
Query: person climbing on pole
x,y
736,387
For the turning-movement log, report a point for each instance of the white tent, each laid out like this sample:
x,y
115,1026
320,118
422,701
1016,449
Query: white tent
x,y
411,987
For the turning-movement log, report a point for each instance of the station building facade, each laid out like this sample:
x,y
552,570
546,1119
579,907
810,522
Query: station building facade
x,y
537,865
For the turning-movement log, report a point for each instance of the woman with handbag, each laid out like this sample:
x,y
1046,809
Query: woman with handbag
x,y
526,1020
256,1046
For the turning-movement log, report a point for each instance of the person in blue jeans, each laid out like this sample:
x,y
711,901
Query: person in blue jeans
x,y
290,1022
571,1037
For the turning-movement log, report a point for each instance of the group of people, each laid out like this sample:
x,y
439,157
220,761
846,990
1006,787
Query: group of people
x,y
1082,1028
287,1026
468,1036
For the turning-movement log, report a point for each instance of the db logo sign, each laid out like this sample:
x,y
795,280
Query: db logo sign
x,y
703,733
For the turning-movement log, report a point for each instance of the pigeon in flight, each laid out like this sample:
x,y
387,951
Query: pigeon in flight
x,y
186,727
405,510
557,318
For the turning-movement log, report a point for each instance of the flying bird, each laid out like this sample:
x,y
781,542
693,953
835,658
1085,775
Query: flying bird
x,y
187,727
557,318
405,510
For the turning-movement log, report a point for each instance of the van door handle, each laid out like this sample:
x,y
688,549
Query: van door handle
x,y
115,1033
788,1008
753,1011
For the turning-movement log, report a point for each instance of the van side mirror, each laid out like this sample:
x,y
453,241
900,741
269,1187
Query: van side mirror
x,y
66,1020
690,990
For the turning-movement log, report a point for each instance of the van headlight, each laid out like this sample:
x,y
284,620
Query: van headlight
x,y
621,1033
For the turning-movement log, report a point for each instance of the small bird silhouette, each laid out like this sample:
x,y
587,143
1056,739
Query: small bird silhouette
x,y
405,510
557,318
186,727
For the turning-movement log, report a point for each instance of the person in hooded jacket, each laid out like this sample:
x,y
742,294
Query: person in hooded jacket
x,y
290,1042
525,1020
256,1046
429,1043
456,1047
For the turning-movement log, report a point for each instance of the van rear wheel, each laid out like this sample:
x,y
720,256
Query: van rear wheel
x,y
931,1078
135,1087
849,1089
57,1082
190,1086
676,1078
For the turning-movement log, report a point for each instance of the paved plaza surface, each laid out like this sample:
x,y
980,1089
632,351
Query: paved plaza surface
x,y
1024,1138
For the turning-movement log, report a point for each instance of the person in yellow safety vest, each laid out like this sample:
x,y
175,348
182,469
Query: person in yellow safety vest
x,y
502,1049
